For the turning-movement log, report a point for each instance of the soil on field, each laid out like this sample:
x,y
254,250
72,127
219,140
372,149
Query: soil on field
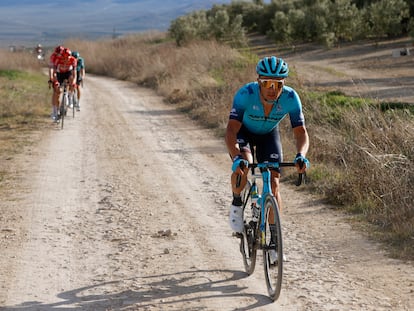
x,y
126,209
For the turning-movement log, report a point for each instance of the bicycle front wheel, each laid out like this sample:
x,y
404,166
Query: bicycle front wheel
x,y
62,110
273,248
248,240
75,101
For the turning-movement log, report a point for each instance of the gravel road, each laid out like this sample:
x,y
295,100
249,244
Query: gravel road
x,y
126,209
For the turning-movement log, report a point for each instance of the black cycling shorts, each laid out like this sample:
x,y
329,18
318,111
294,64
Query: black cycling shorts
x,y
268,146
62,76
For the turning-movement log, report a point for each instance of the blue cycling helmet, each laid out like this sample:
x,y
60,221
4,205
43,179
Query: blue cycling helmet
x,y
75,54
272,67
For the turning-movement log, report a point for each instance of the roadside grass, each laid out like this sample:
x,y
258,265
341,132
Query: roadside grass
x,y
361,150
24,105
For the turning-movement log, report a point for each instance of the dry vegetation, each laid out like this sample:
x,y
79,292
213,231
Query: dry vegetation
x,y
362,156
24,104
199,78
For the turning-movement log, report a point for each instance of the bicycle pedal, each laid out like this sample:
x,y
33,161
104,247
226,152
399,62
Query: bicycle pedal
x,y
237,235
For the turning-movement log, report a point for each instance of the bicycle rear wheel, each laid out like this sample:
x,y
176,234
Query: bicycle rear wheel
x,y
248,240
273,269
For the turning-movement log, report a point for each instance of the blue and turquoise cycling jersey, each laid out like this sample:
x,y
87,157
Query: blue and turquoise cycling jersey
x,y
80,64
248,109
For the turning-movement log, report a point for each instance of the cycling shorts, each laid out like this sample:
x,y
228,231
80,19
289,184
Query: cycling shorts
x,y
62,76
268,146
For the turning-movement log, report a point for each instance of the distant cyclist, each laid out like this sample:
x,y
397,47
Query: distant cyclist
x,y
64,68
80,74
52,77
258,107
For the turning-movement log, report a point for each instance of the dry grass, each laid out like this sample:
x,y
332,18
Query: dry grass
x,y
362,157
197,77
24,104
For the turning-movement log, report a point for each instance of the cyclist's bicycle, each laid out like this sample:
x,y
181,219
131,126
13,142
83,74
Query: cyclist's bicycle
x,y
262,226
74,101
64,103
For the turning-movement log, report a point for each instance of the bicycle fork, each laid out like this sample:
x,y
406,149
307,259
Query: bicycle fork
x,y
266,190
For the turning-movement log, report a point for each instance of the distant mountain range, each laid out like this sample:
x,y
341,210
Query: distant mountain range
x,y
29,22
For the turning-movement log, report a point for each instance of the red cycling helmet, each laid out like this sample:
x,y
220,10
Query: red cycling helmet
x,y
59,49
66,52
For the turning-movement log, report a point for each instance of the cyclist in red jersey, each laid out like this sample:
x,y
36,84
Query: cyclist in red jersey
x,y
52,75
64,68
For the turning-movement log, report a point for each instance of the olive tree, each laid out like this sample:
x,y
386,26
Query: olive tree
x,y
190,27
384,17
344,20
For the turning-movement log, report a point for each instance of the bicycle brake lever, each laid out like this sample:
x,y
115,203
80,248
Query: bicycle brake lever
x,y
238,180
302,176
301,179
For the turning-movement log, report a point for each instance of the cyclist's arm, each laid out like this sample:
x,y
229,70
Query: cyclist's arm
x,y
297,121
52,73
302,141
233,127
52,67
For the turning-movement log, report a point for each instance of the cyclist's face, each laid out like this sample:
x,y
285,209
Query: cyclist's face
x,y
270,88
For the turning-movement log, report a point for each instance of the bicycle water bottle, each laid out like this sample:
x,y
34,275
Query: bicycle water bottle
x,y
255,207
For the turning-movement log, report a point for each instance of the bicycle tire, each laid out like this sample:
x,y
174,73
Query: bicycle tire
x,y
73,104
248,239
75,101
273,271
63,110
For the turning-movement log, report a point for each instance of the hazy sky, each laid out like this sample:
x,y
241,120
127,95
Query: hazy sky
x,y
30,21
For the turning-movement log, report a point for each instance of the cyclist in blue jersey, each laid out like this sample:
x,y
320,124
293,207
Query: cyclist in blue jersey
x,y
80,74
257,109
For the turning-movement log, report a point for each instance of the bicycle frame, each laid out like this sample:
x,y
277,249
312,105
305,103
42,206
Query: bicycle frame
x,y
263,233
266,190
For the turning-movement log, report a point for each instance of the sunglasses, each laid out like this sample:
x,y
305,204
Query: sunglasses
x,y
270,83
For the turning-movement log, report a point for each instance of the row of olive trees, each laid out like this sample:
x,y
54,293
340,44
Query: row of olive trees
x,y
326,21
207,25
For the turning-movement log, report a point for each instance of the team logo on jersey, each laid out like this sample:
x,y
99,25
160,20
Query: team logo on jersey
x,y
274,156
233,112
279,107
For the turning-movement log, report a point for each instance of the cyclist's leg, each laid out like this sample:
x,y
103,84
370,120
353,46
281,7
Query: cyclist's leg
x,y
238,184
78,89
71,81
55,99
60,77
78,83
243,138
269,148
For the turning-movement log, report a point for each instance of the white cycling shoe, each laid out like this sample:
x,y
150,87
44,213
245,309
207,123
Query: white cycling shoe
x,y
236,218
273,257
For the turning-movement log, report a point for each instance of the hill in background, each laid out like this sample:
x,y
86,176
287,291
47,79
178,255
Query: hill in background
x,y
28,22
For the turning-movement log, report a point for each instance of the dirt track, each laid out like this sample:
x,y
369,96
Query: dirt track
x,y
362,70
126,209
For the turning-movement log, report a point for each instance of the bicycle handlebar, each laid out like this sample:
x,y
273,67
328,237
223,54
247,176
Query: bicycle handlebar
x,y
267,165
